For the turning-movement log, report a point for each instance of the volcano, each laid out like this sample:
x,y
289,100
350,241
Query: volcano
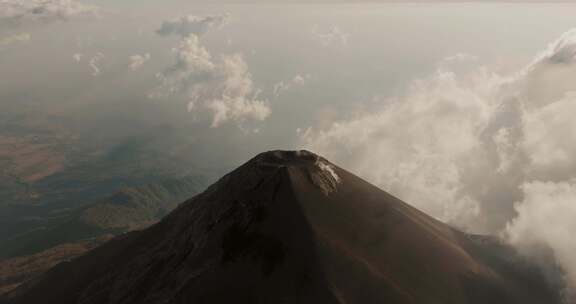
x,y
291,227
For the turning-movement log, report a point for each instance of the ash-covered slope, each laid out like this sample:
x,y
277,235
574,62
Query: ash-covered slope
x,y
289,227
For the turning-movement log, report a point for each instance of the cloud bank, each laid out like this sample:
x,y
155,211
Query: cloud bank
x,y
545,225
483,151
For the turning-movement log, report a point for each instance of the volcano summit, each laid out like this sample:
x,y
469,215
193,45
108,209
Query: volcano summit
x,y
290,227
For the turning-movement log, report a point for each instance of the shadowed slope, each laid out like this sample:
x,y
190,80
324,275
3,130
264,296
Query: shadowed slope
x,y
15,271
289,227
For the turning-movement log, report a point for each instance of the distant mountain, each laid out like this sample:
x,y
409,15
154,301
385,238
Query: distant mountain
x,y
128,209
290,227
50,166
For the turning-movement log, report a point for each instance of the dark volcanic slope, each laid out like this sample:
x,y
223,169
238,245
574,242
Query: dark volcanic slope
x,y
289,227
15,271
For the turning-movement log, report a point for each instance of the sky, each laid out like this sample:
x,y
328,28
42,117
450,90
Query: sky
x,y
462,110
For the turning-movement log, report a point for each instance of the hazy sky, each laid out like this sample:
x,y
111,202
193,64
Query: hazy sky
x,y
463,110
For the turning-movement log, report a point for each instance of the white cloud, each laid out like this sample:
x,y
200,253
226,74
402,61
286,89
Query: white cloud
x,y
415,146
77,57
505,149
546,221
94,64
561,51
283,86
465,144
137,61
550,138
222,86
333,36
192,25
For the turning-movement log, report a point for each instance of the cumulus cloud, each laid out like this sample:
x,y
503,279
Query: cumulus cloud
x,y
221,86
332,36
483,151
550,138
192,25
137,61
283,86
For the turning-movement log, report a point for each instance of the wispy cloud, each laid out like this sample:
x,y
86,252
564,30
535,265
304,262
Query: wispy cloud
x,y
137,61
94,64
332,36
283,86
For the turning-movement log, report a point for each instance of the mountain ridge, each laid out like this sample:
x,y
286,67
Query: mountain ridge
x,y
129,208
